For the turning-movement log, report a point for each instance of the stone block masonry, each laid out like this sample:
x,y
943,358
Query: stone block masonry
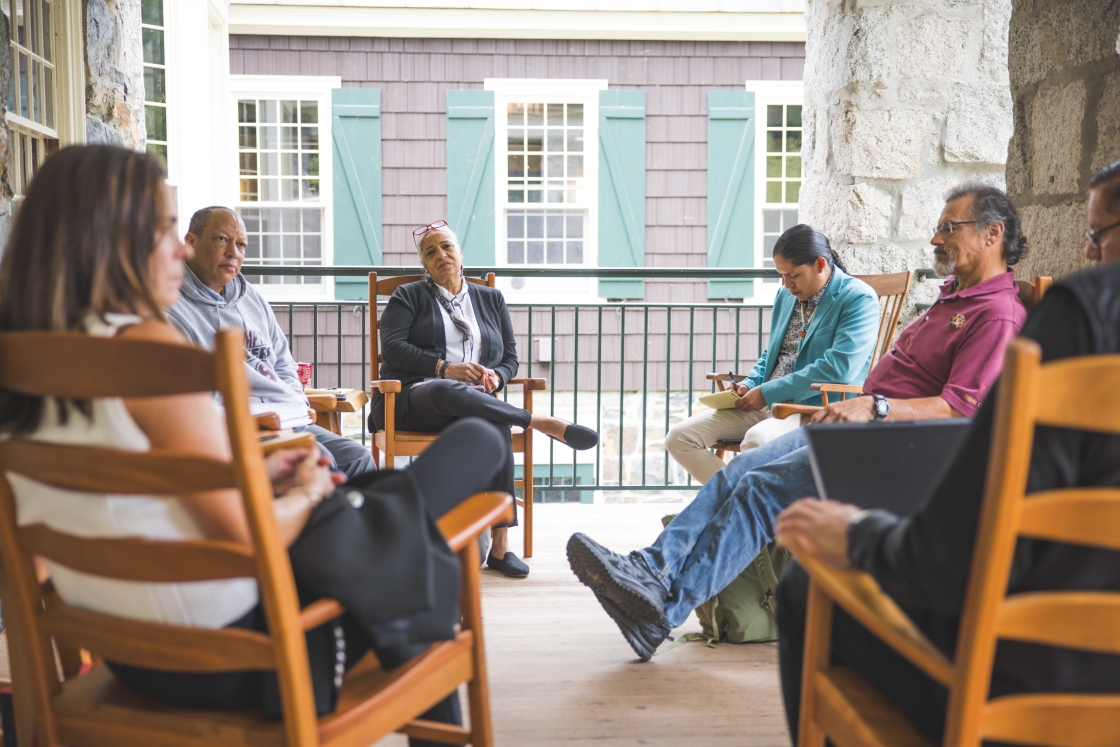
x,y
1065,83
904,99
114,73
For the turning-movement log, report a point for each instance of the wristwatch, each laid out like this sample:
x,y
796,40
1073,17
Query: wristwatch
x,y
880,406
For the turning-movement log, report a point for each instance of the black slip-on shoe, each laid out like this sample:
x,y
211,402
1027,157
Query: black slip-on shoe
x,y
643,638
578,437
624,580
509,565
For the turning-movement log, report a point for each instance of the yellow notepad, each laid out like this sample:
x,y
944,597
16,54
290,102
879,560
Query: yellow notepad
x,y
720,400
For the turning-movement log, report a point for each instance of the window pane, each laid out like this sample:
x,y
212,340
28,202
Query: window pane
x,y
773,116
575,166
155,85
515,253
310,189
773,191
47,29
33,25
515,226
269,165
23,85
272,246
515,165
515,113
156,119
554,224
289,190
153,46
773,142
575,226
253,245
793,115
309,112
534,140
289,112
575,115
269,140
516,195
48,97
312,248
246,111
771,221
793,167
289,138
36,91
555,115
534,226
534,114
13,92
21,31
289,164
160,152
310,138
575,252
247,137
268,111
535,252
310,164
270,190
773,167
250,190
555,254
789,219
515,140
252,218
534,167
536,195
312,220
793,141
555,195
292,247
151,12
793,191
768,245
248,163
575,141
555,141
556,166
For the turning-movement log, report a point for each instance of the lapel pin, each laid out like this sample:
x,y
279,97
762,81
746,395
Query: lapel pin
x,y
957,321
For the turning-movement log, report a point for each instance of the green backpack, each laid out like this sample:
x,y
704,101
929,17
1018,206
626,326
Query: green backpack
x,y
744,611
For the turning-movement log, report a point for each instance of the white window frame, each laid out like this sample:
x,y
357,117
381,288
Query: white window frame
x,y
306,87
577,91
768,92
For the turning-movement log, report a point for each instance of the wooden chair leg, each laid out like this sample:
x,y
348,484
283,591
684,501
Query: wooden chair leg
x,y
818,639
478,689
527,473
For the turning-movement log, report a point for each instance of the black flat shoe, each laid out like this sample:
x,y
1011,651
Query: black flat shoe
x,y
578,437
510,565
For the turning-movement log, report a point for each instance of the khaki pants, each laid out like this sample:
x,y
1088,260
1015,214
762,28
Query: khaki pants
x,y
689,440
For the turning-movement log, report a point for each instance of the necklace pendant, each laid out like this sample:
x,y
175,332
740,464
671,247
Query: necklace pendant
x,y
801,334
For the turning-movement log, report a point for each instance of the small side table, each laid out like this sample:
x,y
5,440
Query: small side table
x,y
329,408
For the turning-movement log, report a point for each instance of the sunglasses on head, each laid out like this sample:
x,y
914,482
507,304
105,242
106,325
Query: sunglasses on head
x,y
420,232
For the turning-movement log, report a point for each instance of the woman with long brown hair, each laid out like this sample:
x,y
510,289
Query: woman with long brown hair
x,y
95,249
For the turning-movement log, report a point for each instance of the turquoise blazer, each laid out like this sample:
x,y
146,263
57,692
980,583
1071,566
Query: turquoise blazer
x,y
837,346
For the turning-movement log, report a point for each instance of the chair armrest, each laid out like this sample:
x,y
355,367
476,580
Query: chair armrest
x,y
322,402
783,410
474,516
842,388
385,386
860,596
287,440
319,612
268,421
533,385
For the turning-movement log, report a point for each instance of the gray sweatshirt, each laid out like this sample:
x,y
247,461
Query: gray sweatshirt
x,y
200,313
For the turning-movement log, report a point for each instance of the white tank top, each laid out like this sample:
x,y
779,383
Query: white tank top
x,y
204,604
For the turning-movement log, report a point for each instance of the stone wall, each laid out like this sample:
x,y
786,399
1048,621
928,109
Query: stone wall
x,y
903,100
114,73
1065,80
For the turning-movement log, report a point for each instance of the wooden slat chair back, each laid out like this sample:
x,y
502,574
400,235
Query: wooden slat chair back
x,y
391,442
1075,393
94,708
891,289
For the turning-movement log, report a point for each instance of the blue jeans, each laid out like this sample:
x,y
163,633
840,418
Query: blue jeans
x,y
726,526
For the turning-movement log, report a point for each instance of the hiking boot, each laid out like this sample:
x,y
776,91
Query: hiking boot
x,y
624,580
643,638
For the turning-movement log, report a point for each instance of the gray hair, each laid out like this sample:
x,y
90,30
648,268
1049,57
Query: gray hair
x,y
201,219
446,231
991,205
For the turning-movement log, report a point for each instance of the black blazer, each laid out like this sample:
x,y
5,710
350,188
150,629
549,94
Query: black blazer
x,y
412,340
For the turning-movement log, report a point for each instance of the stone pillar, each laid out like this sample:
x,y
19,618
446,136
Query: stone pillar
x,y
903,100
114,73
1065,79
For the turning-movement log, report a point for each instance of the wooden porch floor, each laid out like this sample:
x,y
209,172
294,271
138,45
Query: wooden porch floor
x,y
561,673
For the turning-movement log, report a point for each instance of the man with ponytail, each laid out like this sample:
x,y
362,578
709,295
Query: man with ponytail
x,y
942,366
823,328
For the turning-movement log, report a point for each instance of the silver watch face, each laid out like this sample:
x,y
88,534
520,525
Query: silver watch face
x,y
881,408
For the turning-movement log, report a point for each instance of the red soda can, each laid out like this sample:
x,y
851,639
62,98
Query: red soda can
x,y
303,371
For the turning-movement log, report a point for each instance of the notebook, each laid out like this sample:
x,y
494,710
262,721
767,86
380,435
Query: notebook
x,y
719,400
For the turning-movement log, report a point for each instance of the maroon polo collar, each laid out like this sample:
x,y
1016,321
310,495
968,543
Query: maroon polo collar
x,y
1002,282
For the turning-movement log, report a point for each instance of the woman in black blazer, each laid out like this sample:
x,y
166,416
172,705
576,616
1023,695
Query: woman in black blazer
x,y
450,343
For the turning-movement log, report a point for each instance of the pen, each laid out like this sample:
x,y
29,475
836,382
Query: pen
x,y
733,385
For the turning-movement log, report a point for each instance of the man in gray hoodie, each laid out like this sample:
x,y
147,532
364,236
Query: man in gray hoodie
x,y
216,295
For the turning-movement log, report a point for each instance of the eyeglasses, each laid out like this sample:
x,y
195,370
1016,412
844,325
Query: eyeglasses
x,y
948,226
419,232
1094,237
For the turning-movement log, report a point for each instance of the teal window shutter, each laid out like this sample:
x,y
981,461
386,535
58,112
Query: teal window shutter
x,y
622,188
470,173
731,177
356,132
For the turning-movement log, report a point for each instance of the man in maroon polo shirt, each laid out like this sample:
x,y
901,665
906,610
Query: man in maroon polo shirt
x,y
942,366
944,363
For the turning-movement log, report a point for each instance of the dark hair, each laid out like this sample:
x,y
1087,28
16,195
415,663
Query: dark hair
x,y
201,219
803,244
1107,180
80,245
991,205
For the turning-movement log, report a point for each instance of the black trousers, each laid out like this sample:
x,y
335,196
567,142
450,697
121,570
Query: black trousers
x,y
437,404
469,457
923,700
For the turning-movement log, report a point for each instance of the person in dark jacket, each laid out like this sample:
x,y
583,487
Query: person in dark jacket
x,y
451,345
923,562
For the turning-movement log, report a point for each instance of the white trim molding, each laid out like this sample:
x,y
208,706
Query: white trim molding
x,y
334,18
